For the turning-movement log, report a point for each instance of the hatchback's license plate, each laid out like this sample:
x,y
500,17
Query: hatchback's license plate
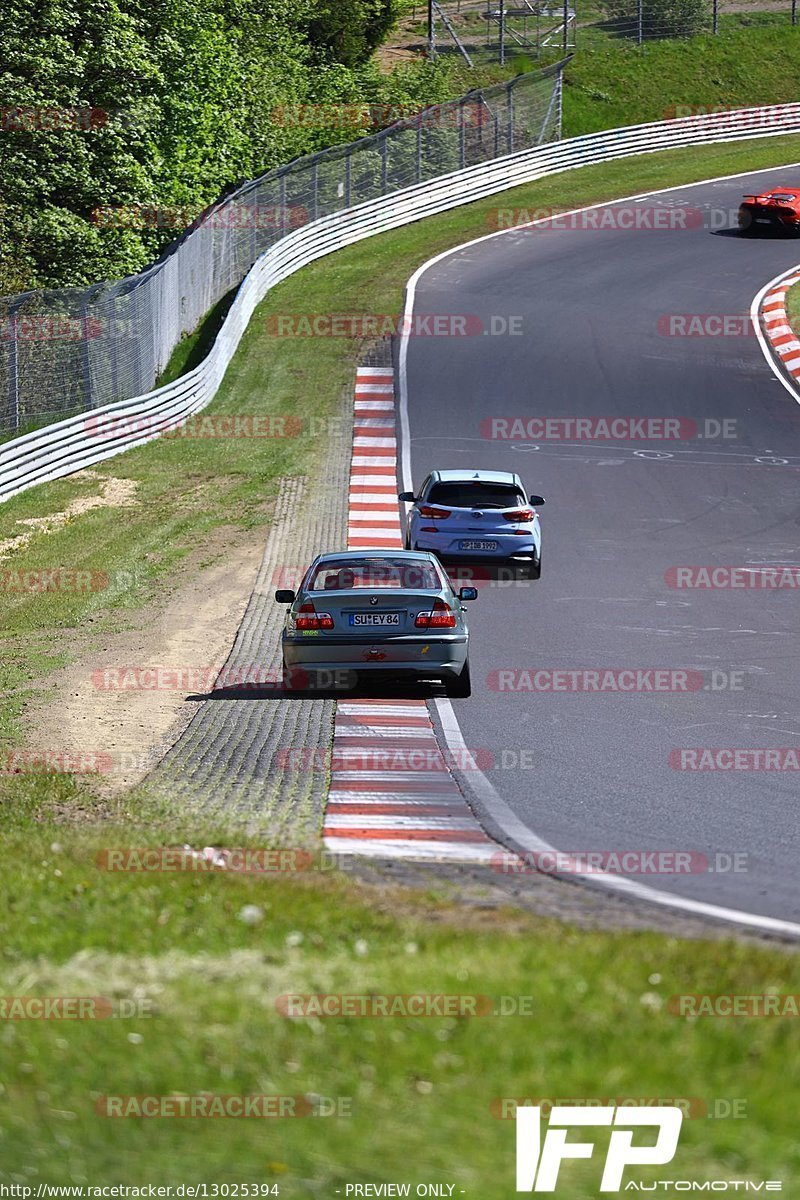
x,y
475,544
375,618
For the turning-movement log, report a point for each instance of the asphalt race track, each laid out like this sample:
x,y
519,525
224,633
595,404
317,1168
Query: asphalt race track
x,y
619,515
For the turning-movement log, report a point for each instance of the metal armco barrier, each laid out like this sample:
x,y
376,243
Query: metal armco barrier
x,y
68,446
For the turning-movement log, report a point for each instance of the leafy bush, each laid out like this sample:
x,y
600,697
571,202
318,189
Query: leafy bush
x,y
110,105
660,18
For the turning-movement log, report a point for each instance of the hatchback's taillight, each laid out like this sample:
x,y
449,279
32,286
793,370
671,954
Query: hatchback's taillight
x,y
434,514
520,514
441,616
309,619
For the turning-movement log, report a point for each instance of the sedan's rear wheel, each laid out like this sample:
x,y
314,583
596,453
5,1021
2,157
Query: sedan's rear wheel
x,y
535,569
459,687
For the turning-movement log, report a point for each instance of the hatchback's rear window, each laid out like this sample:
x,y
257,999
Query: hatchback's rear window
x,y
476,495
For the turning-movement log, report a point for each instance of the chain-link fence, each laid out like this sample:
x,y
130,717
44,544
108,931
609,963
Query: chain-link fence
x,y
68,350
488,31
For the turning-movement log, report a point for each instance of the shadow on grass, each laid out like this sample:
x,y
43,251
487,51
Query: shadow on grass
x,y
191,350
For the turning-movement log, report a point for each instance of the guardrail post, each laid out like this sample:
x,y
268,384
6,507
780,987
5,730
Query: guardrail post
x,y
639,21
282,202
481,105
315,188
384,166
794,12
419,150
462,136
114,349
510,118
86,360
348,178
13,364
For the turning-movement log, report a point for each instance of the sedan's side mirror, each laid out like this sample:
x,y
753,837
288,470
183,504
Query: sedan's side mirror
x,y
285,596
468,593
409,497
536,501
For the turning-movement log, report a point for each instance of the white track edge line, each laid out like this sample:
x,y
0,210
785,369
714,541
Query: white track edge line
x,y
501,813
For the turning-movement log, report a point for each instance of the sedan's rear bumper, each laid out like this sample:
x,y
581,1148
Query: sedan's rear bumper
x,y
412,655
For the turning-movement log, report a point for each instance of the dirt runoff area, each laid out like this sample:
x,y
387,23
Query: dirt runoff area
x,y
82,717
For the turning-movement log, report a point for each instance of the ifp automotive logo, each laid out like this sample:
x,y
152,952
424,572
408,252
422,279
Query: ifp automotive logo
x,y
539,1160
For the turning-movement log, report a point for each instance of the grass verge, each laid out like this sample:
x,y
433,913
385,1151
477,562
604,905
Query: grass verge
x,y
211,954
194,965
793,307
741,67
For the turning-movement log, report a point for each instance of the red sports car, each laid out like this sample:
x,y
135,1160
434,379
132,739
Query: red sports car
x,y
778,208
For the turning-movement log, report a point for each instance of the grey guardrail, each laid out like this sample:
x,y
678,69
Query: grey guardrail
x,y
70,445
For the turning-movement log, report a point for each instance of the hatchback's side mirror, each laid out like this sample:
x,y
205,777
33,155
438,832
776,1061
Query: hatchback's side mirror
x,y
285,596
409,497
537,500
468,593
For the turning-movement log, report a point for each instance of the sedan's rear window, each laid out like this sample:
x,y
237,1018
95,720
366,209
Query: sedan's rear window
x,y
371,573
475,495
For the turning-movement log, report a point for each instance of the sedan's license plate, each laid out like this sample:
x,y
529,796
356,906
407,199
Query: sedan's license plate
x,y
475,544
375,618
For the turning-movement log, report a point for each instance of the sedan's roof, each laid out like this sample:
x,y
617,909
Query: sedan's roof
x,y
462,476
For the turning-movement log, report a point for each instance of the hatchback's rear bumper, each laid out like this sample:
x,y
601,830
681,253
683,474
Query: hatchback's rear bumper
x,y
508,548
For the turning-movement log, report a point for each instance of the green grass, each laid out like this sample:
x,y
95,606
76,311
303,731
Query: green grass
x,y
421,1089
742,66
192,349
793,307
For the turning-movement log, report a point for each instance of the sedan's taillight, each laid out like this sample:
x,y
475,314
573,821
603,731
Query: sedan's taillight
x,y
441,616
434,514
520,514
309,619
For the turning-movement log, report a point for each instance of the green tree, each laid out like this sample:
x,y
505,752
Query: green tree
x,y
351,29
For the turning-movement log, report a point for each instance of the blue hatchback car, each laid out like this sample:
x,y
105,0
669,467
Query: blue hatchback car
x,y
476,516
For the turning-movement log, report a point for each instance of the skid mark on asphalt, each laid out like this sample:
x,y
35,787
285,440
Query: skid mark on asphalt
x,y
391,794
